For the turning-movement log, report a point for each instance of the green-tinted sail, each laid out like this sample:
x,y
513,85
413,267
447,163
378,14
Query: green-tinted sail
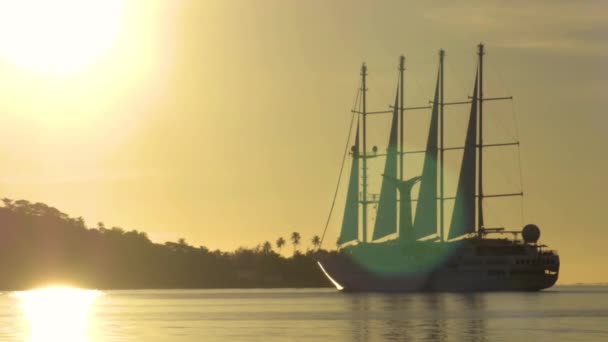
x,y
386,218
350,222
425,223
406,229
463,217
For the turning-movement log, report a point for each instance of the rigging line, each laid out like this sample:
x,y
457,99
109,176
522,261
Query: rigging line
x,y
497,72
521,173
454,75
497,125
333,202
391,99
502,83
419,88
499,122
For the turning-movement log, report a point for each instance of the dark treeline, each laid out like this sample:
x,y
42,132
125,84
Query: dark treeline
x,y
40,245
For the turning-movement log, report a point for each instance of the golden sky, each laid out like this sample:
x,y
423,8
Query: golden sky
x,y
224,122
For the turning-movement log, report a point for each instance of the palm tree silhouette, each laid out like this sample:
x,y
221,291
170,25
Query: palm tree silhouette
x,y
267,247
295,240
316,241
280,243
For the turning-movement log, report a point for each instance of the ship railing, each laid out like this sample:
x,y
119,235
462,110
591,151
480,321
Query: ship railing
x,y
548,252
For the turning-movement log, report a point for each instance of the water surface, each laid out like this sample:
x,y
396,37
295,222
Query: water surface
x,y
567,313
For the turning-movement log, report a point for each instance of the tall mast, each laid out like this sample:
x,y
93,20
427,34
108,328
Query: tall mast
x,y
441,146
401,109
480,223
364,112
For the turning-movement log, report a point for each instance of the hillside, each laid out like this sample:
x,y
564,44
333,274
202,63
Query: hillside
x,y
40,245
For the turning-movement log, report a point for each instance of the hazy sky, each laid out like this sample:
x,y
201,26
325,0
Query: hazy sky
x,y
224,122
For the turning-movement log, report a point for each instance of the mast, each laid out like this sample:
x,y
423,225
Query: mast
x,y
364,112
441,147
480,223
401,109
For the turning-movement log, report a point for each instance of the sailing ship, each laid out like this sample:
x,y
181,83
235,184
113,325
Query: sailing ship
x,y
413,251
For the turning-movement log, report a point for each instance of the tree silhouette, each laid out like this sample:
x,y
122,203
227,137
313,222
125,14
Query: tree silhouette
x,y
8,203
280,243
316,241
267,247
295,240
39,242
117,231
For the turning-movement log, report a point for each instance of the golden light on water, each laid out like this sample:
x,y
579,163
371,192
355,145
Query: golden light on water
x,y
57,313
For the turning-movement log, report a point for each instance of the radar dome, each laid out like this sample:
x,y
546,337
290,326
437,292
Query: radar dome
x,y
530,233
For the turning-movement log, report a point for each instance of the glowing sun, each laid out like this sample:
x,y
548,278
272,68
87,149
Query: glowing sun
x,y
57,36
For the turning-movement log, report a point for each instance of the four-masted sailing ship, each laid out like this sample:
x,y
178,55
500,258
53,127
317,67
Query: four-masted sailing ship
x,y
413,251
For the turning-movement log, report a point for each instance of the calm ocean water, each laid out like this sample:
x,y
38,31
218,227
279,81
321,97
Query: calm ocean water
x,y
566,313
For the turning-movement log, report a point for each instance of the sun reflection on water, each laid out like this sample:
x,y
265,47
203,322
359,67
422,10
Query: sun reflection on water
x,y
57,313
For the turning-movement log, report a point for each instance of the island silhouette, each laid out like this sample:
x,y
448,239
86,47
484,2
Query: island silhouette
x,y
40,245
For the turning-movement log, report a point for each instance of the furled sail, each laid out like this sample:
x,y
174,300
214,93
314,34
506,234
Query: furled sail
x,y
425,223
350,221
463,216
386,217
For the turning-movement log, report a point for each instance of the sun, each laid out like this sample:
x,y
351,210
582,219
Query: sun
x,y
58,36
